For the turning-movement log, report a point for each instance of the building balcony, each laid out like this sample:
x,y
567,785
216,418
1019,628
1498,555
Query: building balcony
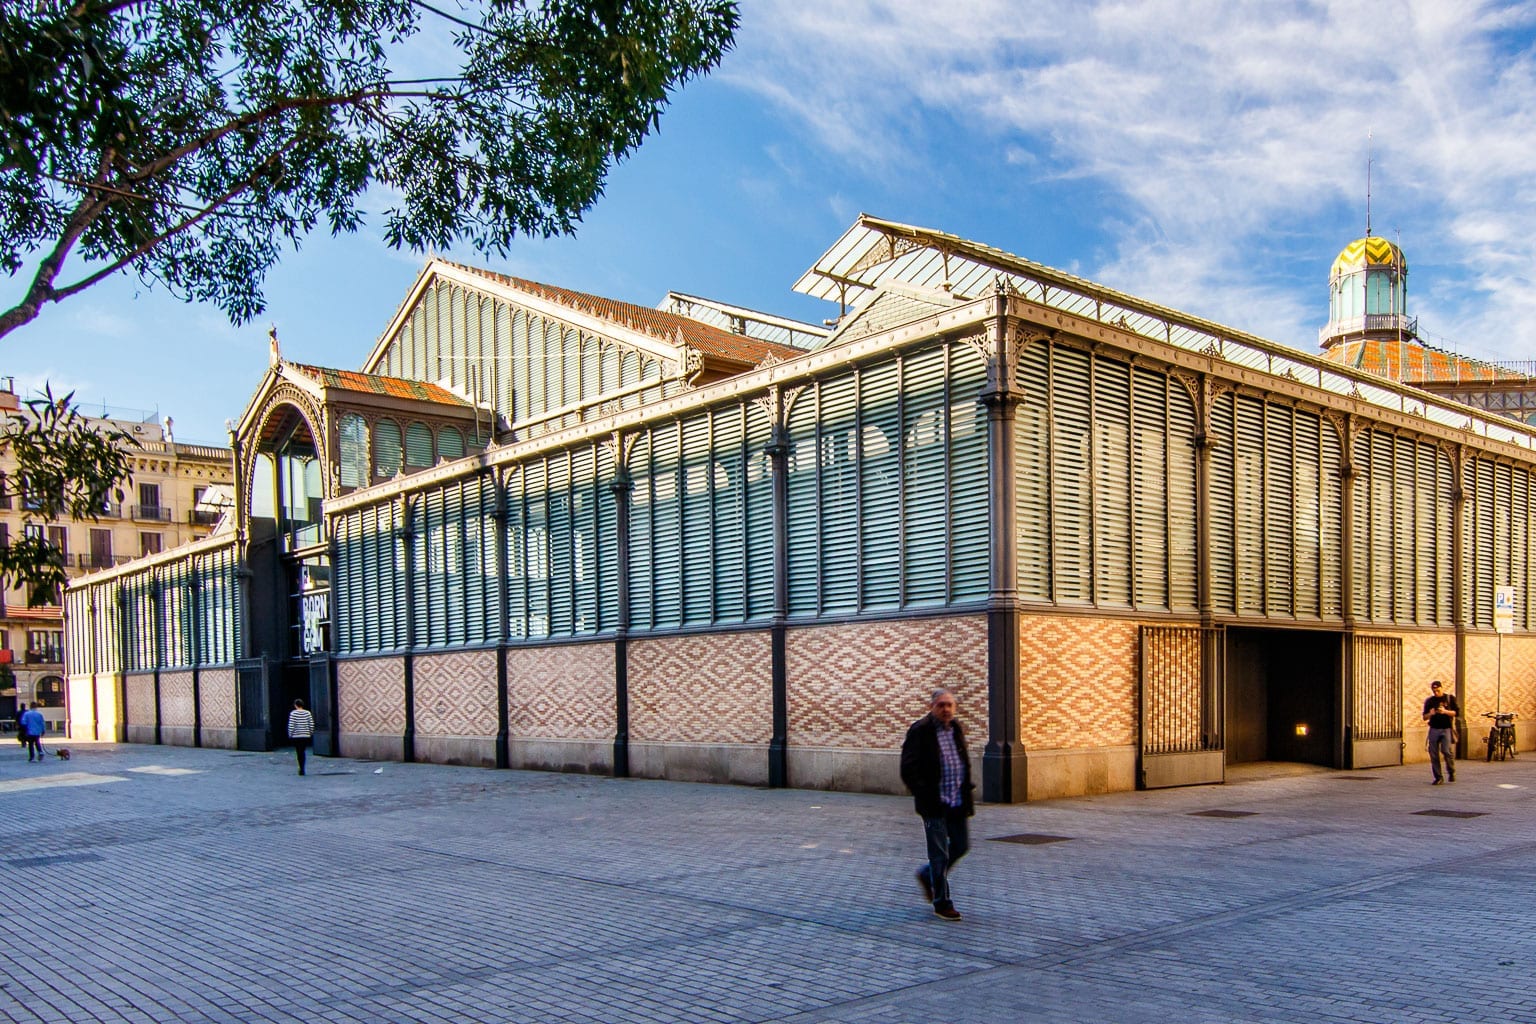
x,y
197,517
96,561
45,657
1372,323
153,513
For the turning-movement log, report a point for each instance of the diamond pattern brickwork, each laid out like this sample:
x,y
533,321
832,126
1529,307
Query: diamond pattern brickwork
x,y
1482,679
176,705
716,688
1426,656
1519,693
141,700
861,685
1077,682
216,689
371,696
456,694
561,692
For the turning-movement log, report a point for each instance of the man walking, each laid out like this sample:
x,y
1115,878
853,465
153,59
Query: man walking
x,y
1440,712
937,769
33,725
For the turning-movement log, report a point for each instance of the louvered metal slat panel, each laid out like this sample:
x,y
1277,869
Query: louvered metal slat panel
x,y
353,435
420,339
387,606
608,368
457,596
1110,498
544,373
521,358
1307,526
804,514
1280,512
1223,529
1248,515
879,486
501,362
759,514
1502,554
666,534
536,546
1382,521
418,445
728,479
1425,534
1032,473
563,510
1360,542
450,444
695,520
837,468
642,532
1182,500
1151,482
1071,477
387,449
517,582
1519,518
924,475
605,541
585,580
1331,521
1403,535
969,488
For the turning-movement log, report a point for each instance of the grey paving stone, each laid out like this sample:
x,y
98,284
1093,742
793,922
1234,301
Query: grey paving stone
x,y
431,894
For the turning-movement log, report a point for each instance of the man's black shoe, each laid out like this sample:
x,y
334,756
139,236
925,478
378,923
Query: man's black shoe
x,y
946,912
1435,783
927,886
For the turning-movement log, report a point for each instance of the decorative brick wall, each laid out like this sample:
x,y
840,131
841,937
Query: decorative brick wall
x,y
714,688
860,685
564,692
1077,682
141,701
176,705
216,690
1426,656
456,694
371,697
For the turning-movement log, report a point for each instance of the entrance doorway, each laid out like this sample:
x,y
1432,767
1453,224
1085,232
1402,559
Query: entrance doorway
x,y
1283,696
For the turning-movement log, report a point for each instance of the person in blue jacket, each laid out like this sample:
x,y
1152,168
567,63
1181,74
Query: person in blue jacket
x,y
33,726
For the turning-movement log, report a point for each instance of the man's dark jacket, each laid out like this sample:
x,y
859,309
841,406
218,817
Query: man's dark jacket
x,y
922,768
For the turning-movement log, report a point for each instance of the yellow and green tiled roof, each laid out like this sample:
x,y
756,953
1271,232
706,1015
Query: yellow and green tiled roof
x,y
1364,252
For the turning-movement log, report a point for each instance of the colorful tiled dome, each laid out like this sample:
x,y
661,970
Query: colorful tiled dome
x,y
1372,252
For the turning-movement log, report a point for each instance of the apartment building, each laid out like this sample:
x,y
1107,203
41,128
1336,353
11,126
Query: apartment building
x,y
177,493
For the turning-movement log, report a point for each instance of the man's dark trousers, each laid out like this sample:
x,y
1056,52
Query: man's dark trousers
x,y
949,838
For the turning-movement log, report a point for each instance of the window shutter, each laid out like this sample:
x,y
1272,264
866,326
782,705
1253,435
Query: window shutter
x,y
727,479
695,519
666,535
353,434
757,469
562,513
418,446
1110,498
1071,482
1279,511
1032,474
969,491
880,485
1151,484
517,582
386,449
1222,502
836,446
642,546
450,444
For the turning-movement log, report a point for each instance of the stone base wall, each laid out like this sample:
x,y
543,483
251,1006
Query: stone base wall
x,y
1078,692
854,689
371,701
178,711
140,726
94,715
456,718
561,714
216,694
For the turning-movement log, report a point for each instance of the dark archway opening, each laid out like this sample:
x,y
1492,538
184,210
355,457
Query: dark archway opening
x,y
1283,690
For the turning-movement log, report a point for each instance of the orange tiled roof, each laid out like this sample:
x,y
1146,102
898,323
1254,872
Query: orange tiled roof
x,y
665,326
1414,362
395,387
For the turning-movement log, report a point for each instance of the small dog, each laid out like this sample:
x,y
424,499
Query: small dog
x,y
62,753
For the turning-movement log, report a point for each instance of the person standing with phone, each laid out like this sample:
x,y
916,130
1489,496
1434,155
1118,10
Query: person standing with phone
x,y
1440,712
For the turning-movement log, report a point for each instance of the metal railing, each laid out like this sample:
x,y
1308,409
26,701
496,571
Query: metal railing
x,y
158,513
100,561
197,517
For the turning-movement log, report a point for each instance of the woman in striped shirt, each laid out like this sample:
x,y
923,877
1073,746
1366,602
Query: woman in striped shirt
x,y
301,729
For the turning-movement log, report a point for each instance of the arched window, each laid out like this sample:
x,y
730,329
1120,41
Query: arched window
x,y
386,449
450,444
49,692
353,432
418,446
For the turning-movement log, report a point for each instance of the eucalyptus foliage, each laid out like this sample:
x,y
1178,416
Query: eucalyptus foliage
x,y
65,467
192,141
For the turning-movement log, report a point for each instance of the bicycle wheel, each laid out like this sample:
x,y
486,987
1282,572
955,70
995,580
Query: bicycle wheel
x,y
1493,742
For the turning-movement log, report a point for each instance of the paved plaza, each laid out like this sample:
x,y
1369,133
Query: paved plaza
x,y
153,884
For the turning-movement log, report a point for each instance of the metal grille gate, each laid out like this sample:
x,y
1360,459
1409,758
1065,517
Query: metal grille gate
x,y
1181,706
1375,701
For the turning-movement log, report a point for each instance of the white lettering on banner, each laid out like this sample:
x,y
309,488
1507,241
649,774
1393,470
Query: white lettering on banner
x,y
316,613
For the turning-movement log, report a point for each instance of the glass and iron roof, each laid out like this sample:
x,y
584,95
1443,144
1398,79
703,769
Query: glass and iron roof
x,y
874,252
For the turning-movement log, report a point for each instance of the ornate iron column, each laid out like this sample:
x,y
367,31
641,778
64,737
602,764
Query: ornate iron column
x,y
407,536
622,485
1004,768
778,456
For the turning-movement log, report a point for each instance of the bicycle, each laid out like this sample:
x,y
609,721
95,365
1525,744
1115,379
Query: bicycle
x,y
1501,738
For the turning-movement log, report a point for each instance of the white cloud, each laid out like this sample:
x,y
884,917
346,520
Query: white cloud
x,y
1217,128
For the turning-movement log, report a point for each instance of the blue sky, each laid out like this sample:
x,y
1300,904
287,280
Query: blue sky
x,y
1204,154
